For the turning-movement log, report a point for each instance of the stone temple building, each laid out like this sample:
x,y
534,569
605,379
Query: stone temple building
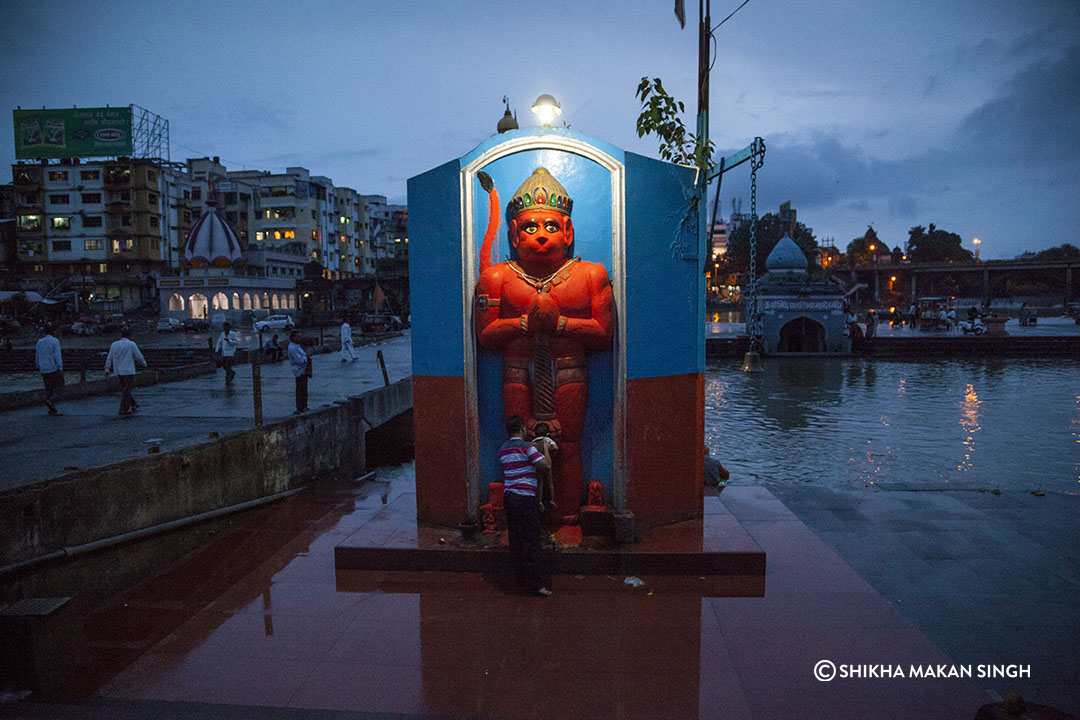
x,y
798,313
215,282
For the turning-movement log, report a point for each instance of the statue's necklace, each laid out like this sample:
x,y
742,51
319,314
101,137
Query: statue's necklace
x,y
541,284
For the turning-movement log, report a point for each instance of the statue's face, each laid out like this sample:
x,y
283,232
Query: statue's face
x,y
542,237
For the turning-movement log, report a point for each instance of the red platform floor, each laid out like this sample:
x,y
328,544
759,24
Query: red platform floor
x,y
260,624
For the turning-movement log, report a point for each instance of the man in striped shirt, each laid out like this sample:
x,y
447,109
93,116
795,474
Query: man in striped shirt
x,y
521,462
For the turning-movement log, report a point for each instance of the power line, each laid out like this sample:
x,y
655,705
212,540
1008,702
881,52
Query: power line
x,y
729,16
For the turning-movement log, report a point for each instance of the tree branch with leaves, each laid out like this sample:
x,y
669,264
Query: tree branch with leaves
x,y
661,115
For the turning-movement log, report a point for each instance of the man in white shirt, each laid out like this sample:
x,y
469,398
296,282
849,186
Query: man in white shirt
x,y
123,354
51,366
346,341
226,345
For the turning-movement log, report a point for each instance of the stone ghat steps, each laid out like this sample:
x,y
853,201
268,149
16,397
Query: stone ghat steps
x,y
941,346
22,359
986,345
610,561
714,546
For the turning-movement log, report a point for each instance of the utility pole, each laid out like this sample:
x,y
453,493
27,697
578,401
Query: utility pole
x,y
704,31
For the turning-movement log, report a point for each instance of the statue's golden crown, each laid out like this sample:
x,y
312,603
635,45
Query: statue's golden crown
x,y
540,191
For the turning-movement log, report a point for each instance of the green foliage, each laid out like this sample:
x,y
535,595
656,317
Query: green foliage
x,y
935,245
1060,253
858,250
660,115
770,229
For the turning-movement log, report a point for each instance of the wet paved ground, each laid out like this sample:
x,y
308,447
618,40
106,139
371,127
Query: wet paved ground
x,y
259,624
35,446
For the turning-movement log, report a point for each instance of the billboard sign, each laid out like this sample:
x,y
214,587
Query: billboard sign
x,y
75,132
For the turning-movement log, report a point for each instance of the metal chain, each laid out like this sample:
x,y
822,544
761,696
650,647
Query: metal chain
x,y
757,159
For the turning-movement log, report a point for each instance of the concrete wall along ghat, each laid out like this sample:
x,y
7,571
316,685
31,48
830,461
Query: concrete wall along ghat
x,y
97,503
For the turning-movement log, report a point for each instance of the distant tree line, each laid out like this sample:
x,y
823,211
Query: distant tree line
x,y
924,245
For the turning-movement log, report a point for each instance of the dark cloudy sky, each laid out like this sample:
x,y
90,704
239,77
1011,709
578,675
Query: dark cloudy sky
x,y
962,113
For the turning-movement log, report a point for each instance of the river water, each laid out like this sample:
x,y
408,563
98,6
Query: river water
x,y
1006,423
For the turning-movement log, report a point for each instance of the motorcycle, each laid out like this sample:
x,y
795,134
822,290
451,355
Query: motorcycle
x,y
973,325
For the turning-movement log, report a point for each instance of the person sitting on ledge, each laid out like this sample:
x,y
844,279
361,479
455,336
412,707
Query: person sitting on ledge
x,y
715,473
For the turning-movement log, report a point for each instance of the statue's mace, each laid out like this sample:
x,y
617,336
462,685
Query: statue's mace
x,y
543,409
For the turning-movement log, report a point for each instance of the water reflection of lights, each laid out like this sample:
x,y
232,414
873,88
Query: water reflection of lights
x,y
969,421
871,466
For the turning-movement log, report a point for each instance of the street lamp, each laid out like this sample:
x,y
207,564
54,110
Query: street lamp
x,y
547,109
976,242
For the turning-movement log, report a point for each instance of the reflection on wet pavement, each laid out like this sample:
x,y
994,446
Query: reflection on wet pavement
x,y
260,617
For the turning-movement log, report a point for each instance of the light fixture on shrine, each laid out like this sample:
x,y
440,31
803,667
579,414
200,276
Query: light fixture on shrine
x,y
547,109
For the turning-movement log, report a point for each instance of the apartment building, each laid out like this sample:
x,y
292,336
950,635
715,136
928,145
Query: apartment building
x,y
100,228
106,228
388,227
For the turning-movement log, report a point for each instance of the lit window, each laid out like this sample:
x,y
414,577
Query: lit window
x,y
259,234
61,223
90,175
102,267
290,233
58,175
277,234
93,244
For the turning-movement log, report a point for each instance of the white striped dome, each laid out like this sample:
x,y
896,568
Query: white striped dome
x,y
212,242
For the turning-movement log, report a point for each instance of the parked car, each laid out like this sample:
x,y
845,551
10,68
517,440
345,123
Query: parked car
x,y
195,325
169,324
274,322
380,322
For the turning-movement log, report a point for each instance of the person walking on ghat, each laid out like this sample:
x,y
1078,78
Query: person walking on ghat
x,y
299,363
226,344
346,341
521,462
123,354
51,366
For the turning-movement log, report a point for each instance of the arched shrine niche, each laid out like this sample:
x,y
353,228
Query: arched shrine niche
x,y
801,335
220,301
577,189
176,302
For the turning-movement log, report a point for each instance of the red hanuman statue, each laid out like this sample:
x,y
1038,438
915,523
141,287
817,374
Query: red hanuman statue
x,y
544,312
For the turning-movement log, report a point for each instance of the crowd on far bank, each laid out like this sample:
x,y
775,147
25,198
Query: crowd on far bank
x,y
935,317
